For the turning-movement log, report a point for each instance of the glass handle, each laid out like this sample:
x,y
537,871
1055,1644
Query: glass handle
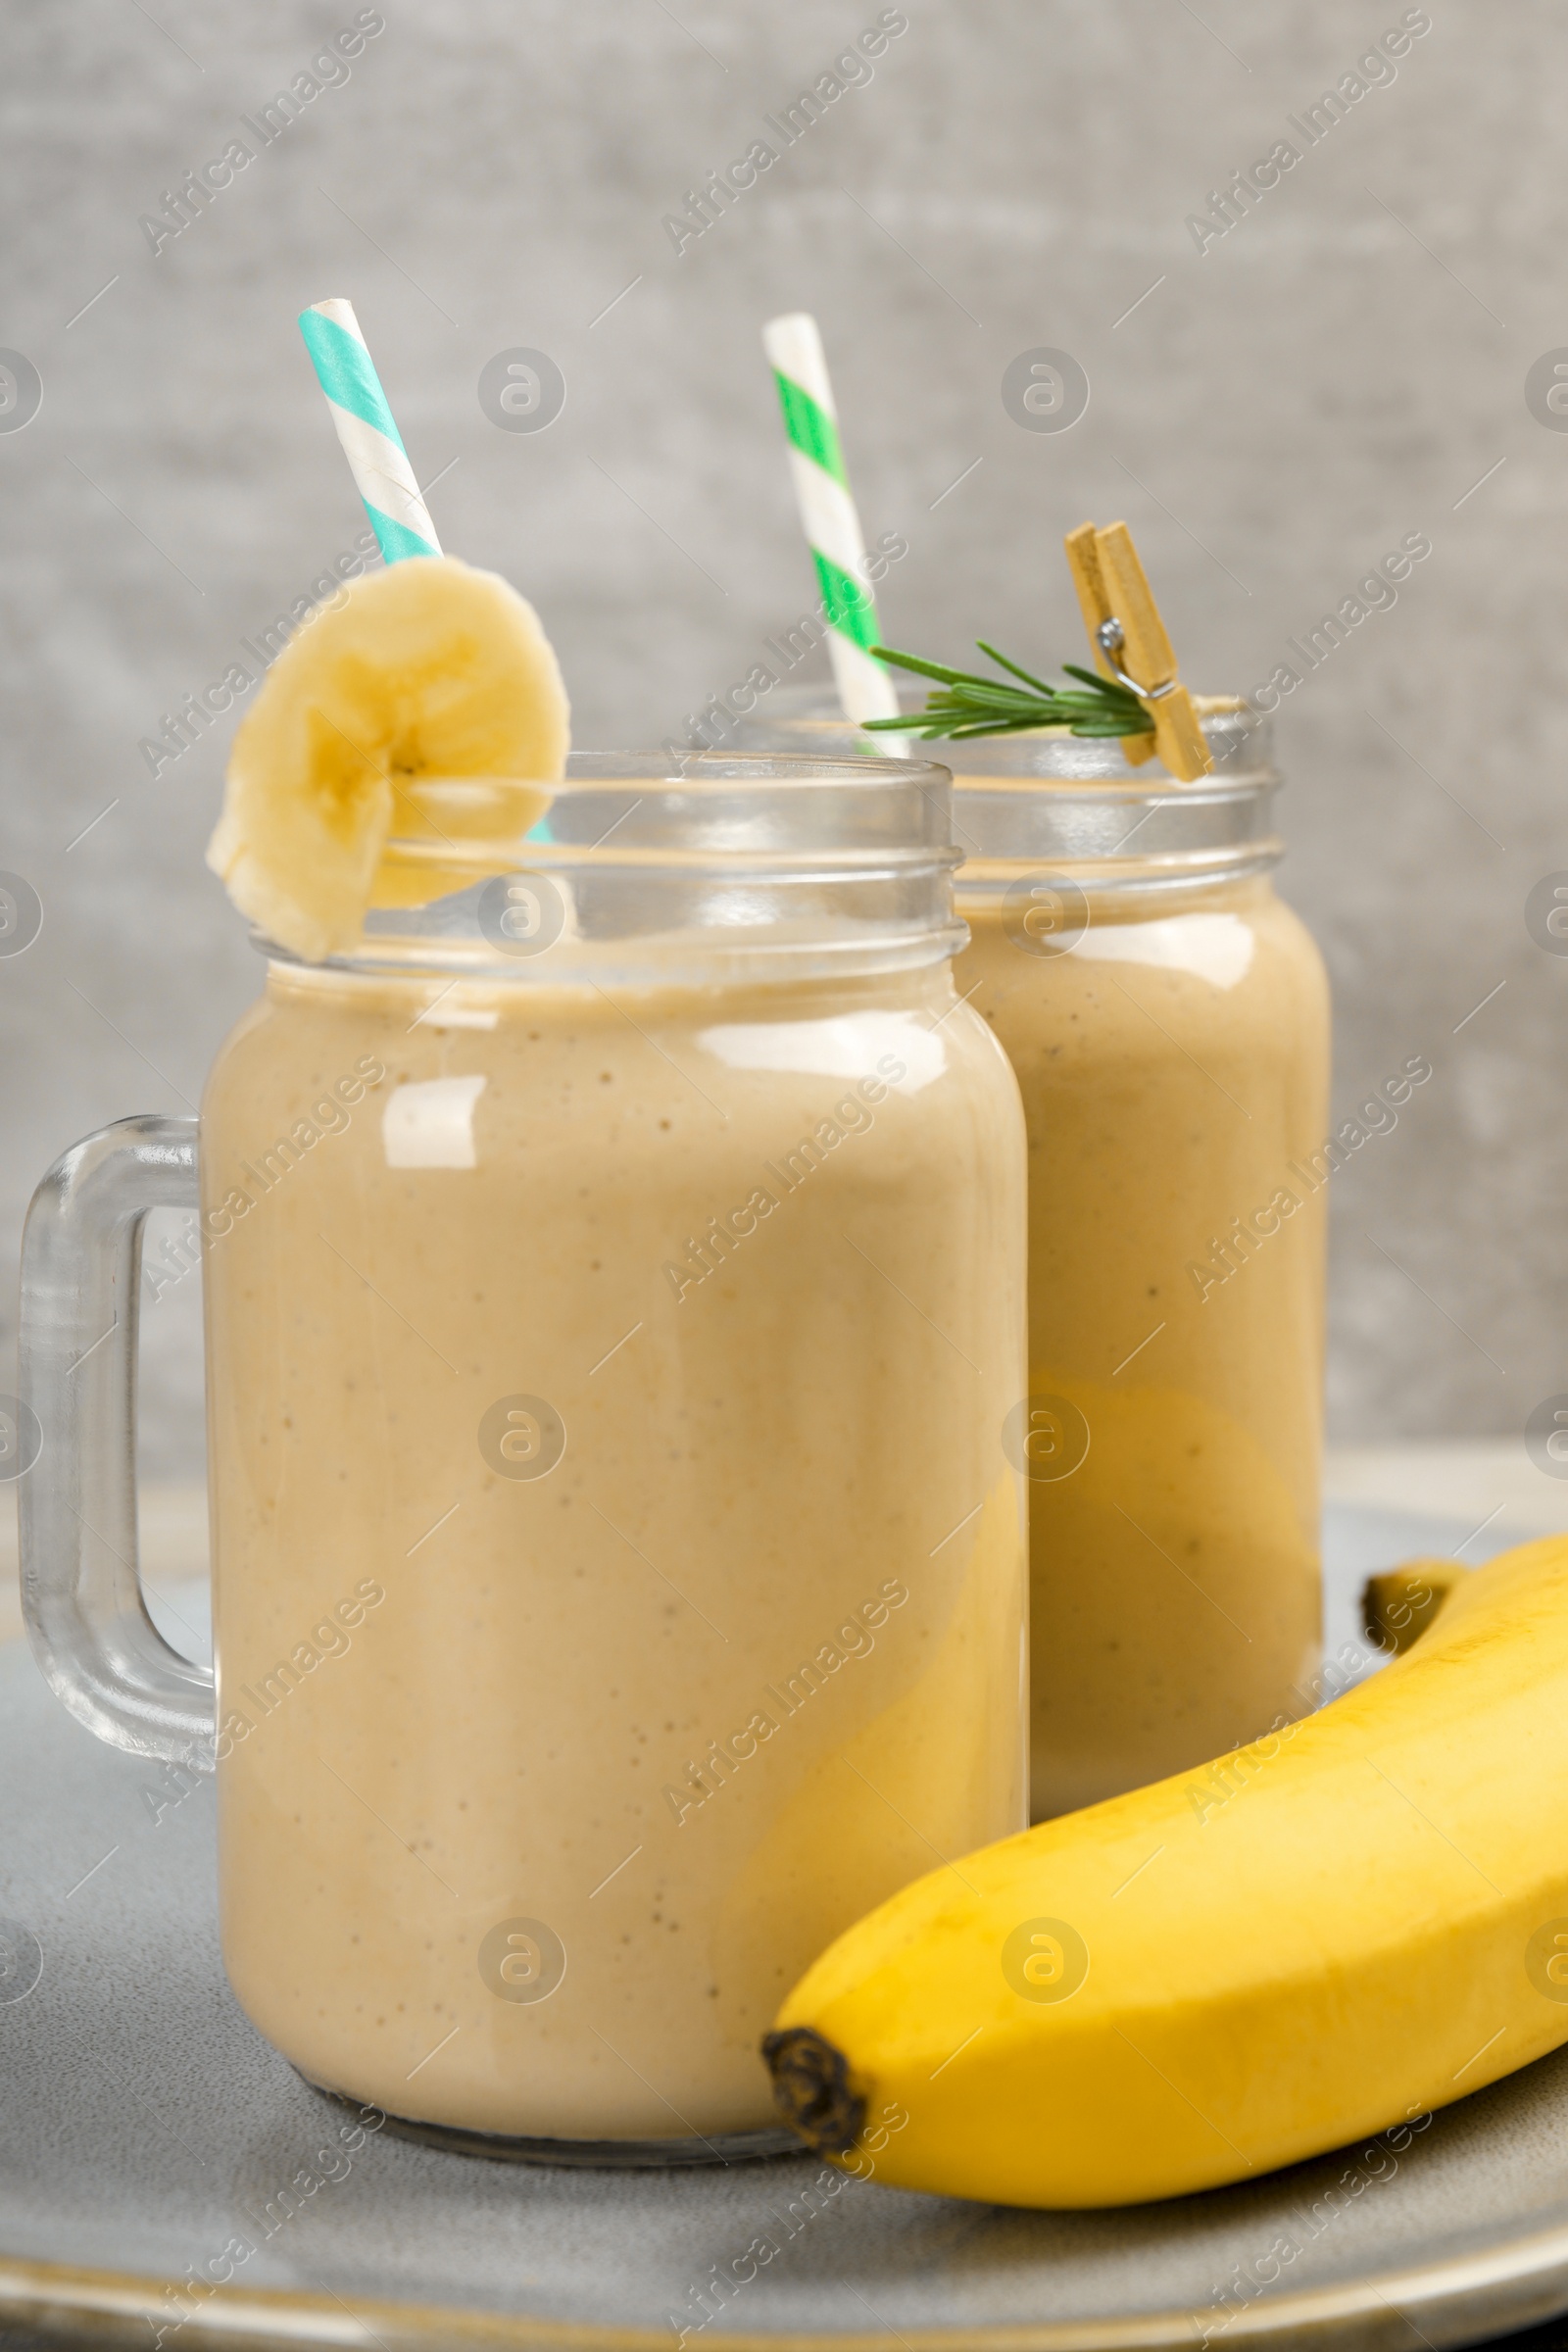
x,y
81,1592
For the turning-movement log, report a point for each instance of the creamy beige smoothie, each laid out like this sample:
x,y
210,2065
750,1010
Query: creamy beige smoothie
x,y
620,1583
1167,1019
1173,1063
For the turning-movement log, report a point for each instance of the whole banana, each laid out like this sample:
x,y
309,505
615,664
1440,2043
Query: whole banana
x,y
1356,1919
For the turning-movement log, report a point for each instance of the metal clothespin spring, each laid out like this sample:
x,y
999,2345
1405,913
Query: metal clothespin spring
x,y
1108,636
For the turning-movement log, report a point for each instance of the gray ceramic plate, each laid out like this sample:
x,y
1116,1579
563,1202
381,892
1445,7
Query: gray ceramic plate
x,y
146,2127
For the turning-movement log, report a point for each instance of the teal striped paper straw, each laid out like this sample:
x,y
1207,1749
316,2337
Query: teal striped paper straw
x,y
833,533
372,442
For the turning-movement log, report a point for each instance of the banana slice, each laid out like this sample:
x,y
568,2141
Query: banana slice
x,y
426,671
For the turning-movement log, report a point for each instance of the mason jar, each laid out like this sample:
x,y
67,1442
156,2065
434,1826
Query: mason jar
x,y
615,1296
1167,1017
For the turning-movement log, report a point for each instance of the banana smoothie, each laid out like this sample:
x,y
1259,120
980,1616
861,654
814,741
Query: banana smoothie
x,y
612,1232
1167,1019
619,1577
1173,1063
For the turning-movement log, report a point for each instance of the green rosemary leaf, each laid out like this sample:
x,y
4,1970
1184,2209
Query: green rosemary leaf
x,y
1010,726
989,698
1039,684
927,670
967,704
1105,688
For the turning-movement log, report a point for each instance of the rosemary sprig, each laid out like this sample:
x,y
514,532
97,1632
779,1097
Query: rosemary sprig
x,y
970,705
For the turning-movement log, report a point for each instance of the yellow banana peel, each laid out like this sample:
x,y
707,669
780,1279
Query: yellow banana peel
x,y
1359,1917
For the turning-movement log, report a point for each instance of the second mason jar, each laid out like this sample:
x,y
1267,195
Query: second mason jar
x,y
1167,1017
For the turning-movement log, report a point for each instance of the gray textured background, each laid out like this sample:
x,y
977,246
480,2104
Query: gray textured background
x,y
1338,372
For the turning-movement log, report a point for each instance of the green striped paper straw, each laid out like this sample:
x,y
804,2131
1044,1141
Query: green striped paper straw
x,y
832,526
372,442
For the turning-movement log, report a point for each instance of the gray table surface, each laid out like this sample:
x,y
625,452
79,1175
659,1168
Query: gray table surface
x,y
145,2122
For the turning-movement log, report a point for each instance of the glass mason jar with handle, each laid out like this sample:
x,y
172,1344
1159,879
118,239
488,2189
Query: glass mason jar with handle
x,y
613,1283
1167,1017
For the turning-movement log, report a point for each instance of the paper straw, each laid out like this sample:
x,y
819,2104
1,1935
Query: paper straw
x,y
372,442
827,512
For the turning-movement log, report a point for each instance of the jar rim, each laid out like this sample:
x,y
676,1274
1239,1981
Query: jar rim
x,y
647,864
696,768
1045,801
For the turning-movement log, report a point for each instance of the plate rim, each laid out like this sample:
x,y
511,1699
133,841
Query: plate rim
x,y
1463,2297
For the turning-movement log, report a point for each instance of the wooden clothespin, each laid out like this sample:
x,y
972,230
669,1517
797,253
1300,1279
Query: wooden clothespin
x,y
1130,644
